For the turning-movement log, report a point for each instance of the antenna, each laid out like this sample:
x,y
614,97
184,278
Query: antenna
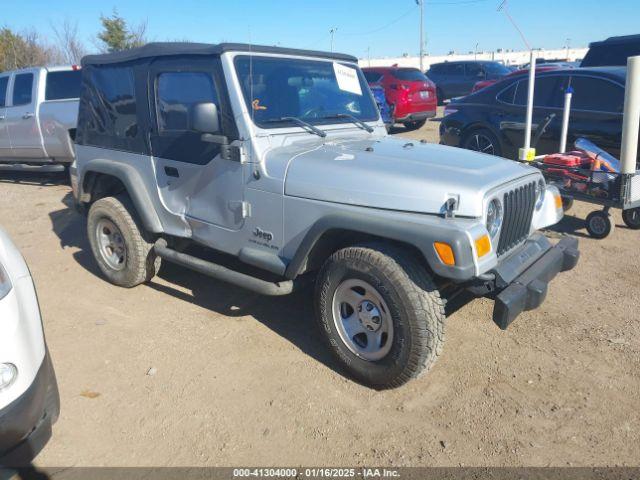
x,y
332,32
503,8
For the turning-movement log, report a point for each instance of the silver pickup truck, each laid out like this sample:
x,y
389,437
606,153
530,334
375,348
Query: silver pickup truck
x,y
279,159
38,115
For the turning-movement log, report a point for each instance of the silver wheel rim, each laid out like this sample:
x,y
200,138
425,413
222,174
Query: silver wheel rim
x,y
362,319
111,244
481,143
598,225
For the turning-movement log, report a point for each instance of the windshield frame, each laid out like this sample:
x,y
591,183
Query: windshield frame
x,y
332,120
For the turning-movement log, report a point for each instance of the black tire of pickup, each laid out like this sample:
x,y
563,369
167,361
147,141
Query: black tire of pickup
x,y
141,263
416,312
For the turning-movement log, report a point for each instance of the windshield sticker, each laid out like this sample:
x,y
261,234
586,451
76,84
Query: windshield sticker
x,y
256,105
347,78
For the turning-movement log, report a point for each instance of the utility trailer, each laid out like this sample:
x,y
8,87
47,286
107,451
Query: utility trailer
x,y
590,174
606,189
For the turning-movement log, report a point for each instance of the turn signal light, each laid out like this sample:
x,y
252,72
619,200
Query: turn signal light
x,y
445,253
483,245
558,200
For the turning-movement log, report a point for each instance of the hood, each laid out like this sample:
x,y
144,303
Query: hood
x,y
398,174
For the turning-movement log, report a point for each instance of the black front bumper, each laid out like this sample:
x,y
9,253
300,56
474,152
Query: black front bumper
x,y
25,424
527,289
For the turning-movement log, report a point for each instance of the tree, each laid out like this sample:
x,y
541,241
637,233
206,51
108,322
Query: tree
x,y
117,35
23,50
70,47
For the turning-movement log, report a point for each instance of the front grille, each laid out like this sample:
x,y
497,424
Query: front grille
x,y
518,205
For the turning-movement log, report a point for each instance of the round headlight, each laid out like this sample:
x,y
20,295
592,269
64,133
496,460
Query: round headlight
x,y
494,217
8,373
541,186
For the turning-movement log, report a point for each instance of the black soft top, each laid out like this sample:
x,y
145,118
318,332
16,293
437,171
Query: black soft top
x,y
160,49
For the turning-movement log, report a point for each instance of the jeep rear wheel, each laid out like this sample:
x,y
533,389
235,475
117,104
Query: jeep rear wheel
x,y
119,244
381,314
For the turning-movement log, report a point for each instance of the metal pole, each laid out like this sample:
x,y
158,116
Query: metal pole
x,y
527,153
631,118
565,119
421,34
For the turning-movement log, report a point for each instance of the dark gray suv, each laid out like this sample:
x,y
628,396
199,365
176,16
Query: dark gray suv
x,y
456,79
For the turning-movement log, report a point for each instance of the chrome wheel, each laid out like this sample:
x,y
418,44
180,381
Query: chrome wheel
x,y
362,319
481,143
111,244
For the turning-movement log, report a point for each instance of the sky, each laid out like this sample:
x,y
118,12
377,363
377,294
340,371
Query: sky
x,y
377,28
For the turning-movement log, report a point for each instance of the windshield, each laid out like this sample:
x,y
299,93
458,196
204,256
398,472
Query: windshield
x,y
409,74
314,91
496,69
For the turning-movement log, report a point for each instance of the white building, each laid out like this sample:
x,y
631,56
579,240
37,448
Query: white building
x,y
508,58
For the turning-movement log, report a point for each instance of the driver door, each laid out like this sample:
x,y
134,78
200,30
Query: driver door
x,y
195,182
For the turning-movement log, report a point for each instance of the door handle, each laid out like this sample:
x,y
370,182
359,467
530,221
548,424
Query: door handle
x,y
1,117
26,116
171,172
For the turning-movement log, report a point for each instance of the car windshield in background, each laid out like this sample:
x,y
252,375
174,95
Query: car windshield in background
x,y
63,85
496,69
314,91
409,74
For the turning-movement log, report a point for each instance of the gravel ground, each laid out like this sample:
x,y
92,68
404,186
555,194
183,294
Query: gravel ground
x,y
188,371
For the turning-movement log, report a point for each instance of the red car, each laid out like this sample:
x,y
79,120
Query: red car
x,y
411,95
485,83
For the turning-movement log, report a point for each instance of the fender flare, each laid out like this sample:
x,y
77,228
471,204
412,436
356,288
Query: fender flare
x,y
418,235
134,185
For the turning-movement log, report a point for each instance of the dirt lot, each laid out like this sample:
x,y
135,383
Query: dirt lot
x,y
243,380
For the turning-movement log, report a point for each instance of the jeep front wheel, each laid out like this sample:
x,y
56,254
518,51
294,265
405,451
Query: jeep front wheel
x,y
119,244
381,313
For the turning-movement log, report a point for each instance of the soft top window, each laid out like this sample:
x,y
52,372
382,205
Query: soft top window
x,y
178,93
108,114
63,85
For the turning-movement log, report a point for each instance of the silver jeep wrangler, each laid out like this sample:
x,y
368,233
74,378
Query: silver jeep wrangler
x,y
279,159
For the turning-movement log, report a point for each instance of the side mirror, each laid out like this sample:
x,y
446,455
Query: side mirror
x,y
204,118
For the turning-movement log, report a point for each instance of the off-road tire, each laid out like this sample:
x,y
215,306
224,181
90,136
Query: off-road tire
x,y
142,264
417,312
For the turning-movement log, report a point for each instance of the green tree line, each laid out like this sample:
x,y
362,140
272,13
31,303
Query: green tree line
x,y
28,48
